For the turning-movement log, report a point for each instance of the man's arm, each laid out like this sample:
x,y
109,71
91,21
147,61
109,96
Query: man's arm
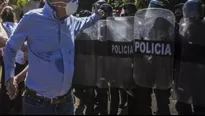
x,y
3,41
22,75
83,23
3,37
14,43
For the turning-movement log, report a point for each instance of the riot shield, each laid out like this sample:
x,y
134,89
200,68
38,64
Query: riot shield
x,y
190,80
154,48
115,68
85,57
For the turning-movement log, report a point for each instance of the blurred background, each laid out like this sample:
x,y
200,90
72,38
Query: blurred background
x,y
23,6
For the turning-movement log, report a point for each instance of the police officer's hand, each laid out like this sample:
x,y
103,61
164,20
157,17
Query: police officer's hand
x,y
101,13
12,87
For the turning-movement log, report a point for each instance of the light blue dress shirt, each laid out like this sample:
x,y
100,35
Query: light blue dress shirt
x,y
50,49
9,27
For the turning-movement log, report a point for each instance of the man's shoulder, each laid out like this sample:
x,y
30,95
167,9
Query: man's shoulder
x,y
35,12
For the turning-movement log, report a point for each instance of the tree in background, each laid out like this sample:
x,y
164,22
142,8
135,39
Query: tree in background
x,y
17,5
86,4
139,3
143,3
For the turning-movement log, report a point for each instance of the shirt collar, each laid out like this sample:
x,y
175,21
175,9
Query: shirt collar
x,y
49,11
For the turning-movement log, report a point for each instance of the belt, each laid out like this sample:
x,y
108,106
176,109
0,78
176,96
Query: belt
x,y
60,99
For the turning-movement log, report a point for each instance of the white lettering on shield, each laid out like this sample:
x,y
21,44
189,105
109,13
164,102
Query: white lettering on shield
x,y
154,48
144,48
122,49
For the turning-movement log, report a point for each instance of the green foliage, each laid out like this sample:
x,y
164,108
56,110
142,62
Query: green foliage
x,y
139,3
19,3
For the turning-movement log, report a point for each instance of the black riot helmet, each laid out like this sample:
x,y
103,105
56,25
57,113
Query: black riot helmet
x,y
159,4
107,9
97,5
193,9
128,9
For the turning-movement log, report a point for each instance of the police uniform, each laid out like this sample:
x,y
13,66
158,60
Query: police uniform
x,y
138,104
85,94
102,93
140,99
191,78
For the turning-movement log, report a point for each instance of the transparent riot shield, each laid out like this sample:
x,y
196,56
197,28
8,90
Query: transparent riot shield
x,y
115,69
190,79
154,48
85,57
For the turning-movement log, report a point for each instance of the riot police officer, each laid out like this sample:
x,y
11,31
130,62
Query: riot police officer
x,y
128,9
85,94
190,79
162,96
102,93
139,99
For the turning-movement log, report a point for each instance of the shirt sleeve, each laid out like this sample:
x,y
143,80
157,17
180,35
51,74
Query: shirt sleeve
x,y
16,40
83,23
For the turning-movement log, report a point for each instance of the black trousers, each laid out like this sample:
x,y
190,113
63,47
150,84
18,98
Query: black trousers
x,y
123,98
140,101
102,101
162,97
114,95
186,109
86,96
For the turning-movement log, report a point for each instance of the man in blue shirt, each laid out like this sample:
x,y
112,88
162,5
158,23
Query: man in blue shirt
x,y
50,34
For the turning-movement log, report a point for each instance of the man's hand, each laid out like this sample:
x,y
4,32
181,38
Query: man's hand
x,y
12,87
12,84
3,41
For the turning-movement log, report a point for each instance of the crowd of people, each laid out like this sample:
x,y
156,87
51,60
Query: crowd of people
x,y
37,60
